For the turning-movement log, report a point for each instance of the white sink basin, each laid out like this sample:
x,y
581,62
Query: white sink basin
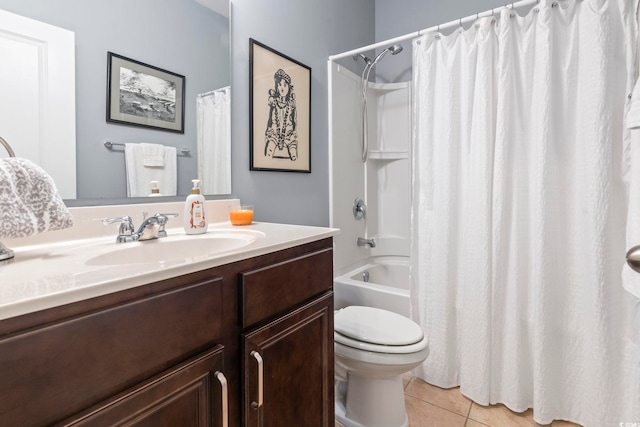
x,y
187,248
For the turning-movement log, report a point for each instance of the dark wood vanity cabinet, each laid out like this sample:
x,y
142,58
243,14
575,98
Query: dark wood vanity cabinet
x,y
288,343
174,352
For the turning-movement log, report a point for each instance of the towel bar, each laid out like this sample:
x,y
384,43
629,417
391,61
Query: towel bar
x,y
6,145
110,144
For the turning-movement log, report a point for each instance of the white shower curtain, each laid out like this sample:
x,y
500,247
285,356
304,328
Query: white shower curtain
x,y
214,141
519,211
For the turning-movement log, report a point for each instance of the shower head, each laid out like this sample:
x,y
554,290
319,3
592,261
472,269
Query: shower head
x,y
395,49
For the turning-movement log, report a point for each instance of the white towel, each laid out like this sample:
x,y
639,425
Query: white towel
x,y
139,176
153,154
29,201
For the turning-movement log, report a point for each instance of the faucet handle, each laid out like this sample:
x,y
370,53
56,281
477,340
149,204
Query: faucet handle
x,y
162,221
166,215
121,219
126,231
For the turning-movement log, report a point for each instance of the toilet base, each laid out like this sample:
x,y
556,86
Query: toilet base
x,y
371,402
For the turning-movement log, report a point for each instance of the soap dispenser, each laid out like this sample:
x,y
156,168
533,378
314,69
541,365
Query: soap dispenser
x,y
195,220
155,191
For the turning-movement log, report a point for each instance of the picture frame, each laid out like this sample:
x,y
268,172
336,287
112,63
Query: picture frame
x,y
140,94
279,111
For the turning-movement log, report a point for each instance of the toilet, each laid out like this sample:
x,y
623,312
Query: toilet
x,y
373,349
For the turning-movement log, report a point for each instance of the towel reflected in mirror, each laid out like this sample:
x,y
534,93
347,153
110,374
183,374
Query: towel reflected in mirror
x,y
29,200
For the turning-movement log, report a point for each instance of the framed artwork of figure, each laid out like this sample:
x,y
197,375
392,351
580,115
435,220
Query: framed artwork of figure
x,y
280,111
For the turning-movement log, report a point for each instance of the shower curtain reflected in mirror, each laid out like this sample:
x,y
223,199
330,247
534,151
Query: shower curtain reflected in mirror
x,y
519,211
214,140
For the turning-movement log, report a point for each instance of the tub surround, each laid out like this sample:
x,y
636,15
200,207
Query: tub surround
x,y
51,269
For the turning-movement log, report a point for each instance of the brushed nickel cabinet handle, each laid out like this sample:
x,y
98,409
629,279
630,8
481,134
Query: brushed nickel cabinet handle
x,y
258,358
225,398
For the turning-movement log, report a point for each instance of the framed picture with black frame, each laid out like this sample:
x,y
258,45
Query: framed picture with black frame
x,y
139,94
279,111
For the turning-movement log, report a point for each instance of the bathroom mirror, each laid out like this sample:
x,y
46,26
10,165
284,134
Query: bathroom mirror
x,y
186,37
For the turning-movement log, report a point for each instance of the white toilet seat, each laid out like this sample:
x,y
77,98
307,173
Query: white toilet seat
x,y
377,330
378,348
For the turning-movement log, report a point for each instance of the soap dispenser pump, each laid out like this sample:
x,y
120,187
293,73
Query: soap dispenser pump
x,y
195,219
155,191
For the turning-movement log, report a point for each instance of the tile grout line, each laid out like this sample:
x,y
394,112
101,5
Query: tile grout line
x,y
467,416
437,405
441,407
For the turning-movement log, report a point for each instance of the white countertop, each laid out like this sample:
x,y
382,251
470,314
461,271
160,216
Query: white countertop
x,y
45,275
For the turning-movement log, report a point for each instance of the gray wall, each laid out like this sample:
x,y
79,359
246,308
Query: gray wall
x,y
177,35
308,31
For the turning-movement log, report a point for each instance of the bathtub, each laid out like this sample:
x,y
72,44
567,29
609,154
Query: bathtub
x,y
381,282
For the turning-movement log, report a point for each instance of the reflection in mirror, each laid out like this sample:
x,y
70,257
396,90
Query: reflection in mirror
x,y
186,37
37,111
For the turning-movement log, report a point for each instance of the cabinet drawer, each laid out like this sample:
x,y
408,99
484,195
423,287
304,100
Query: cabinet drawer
x,y
276,288
99,354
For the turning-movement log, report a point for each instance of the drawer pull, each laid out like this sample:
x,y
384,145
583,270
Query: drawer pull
x,y
225,398
256,355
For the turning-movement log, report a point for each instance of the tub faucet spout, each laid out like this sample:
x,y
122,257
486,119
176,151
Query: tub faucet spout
x,y
366,242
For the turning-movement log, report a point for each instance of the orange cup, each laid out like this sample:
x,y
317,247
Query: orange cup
x,y
242,216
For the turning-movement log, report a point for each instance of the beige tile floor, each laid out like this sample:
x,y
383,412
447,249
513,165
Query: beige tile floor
x,y
430,406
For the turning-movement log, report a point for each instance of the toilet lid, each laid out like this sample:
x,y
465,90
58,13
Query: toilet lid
x,y
376,326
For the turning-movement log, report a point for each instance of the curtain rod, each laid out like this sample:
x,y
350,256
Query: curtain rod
x,y
470,18
222,89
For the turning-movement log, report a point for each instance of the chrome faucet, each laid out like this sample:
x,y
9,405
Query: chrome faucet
x,y
151,228
366,242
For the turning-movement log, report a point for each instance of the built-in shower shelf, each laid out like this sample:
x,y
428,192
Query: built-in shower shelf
x,y
388,155
382,88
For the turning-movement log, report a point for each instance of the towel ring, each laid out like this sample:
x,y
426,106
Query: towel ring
x,y
6,145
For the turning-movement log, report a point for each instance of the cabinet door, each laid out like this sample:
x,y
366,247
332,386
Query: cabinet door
x,y
60,368
288,369
192,394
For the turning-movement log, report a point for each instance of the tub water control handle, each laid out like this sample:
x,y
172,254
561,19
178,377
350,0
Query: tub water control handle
x,y
256,355
359,209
